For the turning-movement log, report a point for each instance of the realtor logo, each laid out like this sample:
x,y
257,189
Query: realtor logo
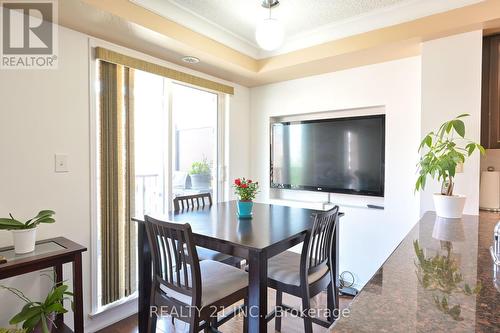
x,y
29,34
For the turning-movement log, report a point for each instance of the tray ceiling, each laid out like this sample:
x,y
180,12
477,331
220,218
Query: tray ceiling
x,y
307,22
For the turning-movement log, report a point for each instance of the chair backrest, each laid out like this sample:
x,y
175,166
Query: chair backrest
x,y
175,262
192,201
317,248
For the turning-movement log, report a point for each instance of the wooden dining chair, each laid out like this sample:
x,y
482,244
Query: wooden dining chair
x,y
196,201
185,202
306,275
185,288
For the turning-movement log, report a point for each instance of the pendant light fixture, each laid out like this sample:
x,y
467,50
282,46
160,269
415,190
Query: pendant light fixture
x,y
269,33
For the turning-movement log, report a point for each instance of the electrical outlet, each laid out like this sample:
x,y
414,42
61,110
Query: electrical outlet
x,y
61,163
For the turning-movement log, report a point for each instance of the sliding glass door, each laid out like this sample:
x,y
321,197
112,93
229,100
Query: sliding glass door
x,y
161,142
184,119
194,141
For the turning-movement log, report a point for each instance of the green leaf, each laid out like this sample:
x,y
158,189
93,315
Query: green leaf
x,y
459,127
470,148
43,213
56,294
463,115
37,222
449,127
8,224
32,322
481,149
428,141
25,314
55,307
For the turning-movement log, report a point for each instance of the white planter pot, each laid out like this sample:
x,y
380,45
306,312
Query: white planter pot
x,y
24,240
450,207
200,181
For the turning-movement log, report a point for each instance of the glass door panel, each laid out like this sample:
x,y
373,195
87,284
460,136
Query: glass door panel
x,y
194,139
151,142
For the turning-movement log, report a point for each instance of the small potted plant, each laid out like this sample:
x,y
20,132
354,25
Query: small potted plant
x,y
200,174
39,316
25,233
246,190
443,151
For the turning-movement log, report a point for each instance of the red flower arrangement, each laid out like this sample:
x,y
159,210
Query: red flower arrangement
x,y
245,189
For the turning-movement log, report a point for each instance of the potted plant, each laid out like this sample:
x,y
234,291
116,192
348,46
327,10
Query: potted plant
x,y
200,174
443,151
40,316
24,233
246,190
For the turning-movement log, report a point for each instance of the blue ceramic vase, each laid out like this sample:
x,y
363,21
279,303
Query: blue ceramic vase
x,y
245,208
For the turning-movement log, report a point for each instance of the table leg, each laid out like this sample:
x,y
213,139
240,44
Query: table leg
x,y
78,293
257,292
58,279
145,277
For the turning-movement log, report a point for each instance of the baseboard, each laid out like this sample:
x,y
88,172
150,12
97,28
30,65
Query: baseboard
x,y
110,317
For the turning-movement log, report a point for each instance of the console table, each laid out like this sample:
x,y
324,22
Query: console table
x,y
48,253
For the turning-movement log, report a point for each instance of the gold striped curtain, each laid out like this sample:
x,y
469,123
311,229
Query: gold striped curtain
x,y
118,233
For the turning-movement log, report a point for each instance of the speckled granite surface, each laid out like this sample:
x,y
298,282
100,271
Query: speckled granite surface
x,y
439,279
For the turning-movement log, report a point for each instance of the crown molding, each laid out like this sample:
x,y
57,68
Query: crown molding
x,y
201,25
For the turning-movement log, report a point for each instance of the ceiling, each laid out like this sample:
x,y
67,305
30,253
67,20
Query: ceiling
x,y
379,35
306,22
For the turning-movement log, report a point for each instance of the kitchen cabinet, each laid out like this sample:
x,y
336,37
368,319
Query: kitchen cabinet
x,y
490,99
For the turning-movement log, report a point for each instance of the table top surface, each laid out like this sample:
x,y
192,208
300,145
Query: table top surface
x,y
441,278
44,250
269,225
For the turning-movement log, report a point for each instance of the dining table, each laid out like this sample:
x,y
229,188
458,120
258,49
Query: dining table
x,y
272,230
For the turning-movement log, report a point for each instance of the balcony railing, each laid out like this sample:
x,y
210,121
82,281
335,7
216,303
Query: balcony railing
x,y
148,194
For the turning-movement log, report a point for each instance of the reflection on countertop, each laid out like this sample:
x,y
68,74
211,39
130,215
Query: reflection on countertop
x,y
440,278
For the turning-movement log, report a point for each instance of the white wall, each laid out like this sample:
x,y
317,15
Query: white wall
x,y
451,85
367,236
43,112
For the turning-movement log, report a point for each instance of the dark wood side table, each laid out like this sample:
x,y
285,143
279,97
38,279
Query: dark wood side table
x,y
53,252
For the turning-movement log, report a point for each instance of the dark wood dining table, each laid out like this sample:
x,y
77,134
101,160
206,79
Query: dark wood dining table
x,y
272,230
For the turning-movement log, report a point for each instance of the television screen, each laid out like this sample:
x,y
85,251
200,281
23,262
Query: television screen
x,y
341,155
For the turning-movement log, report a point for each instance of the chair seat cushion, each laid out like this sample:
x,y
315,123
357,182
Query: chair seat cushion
x,y
207,254
218,280
285,268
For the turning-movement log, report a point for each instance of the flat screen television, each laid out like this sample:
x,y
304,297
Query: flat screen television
x,y
340,155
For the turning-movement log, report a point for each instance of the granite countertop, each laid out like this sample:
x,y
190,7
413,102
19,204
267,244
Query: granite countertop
x,y
440,278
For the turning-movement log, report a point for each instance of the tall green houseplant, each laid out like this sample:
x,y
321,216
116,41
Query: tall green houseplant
x,y
443,150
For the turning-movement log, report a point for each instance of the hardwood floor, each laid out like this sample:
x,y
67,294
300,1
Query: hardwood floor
x,y
288,324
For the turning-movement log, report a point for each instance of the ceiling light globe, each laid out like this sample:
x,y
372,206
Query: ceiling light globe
x,y
269,34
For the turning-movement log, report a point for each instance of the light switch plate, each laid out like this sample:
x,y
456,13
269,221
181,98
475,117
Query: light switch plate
x,y
61,163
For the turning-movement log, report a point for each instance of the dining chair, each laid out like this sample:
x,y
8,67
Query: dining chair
x,y
187,289
307,274
190,202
